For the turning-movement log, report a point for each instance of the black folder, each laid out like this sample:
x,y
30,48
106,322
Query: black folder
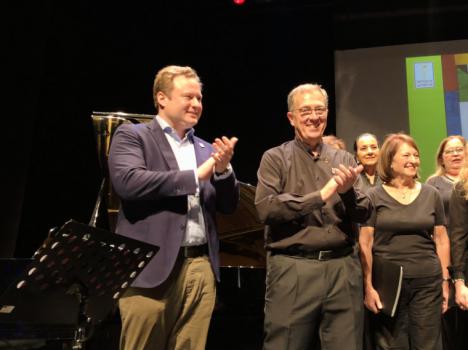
x,y
387,278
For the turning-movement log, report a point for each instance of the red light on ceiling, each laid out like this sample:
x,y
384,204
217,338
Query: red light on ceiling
x,y
238,2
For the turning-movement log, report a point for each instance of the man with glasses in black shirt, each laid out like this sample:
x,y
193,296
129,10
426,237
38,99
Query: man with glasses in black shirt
x,y
309,197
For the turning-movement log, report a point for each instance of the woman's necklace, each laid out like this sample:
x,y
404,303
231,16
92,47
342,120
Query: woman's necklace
x,y
405,192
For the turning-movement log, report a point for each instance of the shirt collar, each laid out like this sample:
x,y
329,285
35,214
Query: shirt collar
x,y
171,132
321,148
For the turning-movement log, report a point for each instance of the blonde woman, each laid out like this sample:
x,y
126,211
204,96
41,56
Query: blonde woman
x,y
449,161
459,235
450,157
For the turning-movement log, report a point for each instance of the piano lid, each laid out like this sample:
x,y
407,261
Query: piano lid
x,y
240,233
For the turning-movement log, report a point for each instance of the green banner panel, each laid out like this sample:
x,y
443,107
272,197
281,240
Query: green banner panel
x,y
426,107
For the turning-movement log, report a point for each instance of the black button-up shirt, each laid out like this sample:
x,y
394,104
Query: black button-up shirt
x,y
288,198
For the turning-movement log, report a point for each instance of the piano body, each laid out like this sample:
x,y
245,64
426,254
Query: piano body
x,y
238,317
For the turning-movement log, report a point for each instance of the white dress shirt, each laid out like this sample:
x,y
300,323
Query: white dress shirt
x,y
184,151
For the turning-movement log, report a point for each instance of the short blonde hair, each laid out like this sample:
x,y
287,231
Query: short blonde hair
x,y
164,80
305,88
389,148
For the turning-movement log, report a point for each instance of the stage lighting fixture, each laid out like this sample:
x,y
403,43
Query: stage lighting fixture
x,y
238,2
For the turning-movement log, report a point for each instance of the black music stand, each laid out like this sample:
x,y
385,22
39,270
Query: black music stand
x,y
74,279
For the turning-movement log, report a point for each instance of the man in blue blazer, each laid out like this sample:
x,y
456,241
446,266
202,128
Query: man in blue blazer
x,y
171,183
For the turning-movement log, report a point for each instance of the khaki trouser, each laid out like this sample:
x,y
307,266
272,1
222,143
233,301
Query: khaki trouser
x,y
173,315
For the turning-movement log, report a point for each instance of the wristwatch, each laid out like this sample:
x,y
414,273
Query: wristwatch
x,y
228,168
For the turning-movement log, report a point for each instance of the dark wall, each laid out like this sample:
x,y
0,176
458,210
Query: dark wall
x,y
69,59
25,31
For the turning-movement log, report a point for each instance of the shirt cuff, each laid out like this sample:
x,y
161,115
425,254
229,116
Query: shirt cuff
x,y
225,174
458,275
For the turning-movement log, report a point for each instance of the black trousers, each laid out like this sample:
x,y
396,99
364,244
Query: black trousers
x,y
462,330
306,297
417,323
450,328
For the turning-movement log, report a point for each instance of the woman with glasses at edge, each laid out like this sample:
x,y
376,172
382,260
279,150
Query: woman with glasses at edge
x,y
449,161
366,150
450,157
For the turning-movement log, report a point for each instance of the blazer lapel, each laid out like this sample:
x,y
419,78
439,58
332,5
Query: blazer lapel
x,y
161,142
202,152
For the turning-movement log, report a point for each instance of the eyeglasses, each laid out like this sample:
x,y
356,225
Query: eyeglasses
x,y
458,150
308,111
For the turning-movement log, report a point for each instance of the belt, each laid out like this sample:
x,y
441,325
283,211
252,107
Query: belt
x,y
314,254
193,251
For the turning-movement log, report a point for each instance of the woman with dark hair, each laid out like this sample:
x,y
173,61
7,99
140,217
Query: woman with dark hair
x,y
407,228
366,150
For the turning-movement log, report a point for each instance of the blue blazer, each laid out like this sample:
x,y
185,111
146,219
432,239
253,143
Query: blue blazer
x,y
153,193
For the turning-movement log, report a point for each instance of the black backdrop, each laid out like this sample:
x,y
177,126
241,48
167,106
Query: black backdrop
x,y
67,59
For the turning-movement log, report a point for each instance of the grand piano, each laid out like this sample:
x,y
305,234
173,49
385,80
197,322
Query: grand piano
x,y
238,317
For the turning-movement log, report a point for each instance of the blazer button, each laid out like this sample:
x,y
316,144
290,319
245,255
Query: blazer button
x,y
182,227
